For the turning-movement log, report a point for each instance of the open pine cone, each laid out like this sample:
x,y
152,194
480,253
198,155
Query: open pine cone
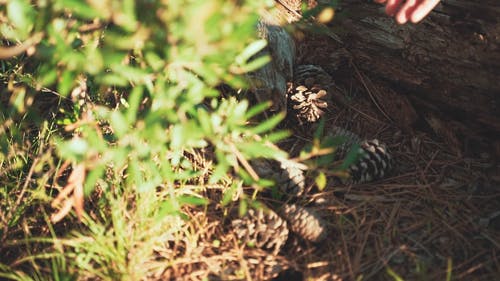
x,y
308,104
308,91
375,162
287,174
305,222
262,228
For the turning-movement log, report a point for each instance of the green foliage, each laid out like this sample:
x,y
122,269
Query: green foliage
x,y
128,89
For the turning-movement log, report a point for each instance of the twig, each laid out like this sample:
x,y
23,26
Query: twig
x,y
244,162
9,52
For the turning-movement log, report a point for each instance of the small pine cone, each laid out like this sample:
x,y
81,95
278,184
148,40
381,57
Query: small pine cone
x,y
305,222
259,266
264,268
375,162
309,87
263,228
288,175
308,104
311,76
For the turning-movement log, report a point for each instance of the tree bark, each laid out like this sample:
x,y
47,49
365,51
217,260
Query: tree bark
x,y
448,66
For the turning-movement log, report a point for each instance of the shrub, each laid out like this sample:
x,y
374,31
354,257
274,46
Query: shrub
x,y
126,92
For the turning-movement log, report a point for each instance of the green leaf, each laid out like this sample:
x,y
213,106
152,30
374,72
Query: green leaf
x,y
250,50
277,136
154,61
17,99
134,101
268,124
21,15
242,208
256,150
95,174
221,168
119,123
66,83
257,109
351,157
168,207
75,149
131,73
255,64
318,133
79,8
321,181
113,79
230,192
393,274
192,200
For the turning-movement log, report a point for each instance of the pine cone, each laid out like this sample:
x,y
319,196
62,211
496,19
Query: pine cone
x,y
264,268
305,222
309,87
349,137
375,162
263,228
260,266
288,175
308,103
311,76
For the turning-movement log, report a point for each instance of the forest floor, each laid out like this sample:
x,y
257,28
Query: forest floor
x,y
435,217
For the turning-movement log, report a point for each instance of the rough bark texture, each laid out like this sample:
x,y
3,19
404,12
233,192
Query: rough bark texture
x,y
448,65
443,72
270,81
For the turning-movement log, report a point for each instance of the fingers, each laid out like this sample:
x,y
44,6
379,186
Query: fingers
x,y
423,9
408,10
392,6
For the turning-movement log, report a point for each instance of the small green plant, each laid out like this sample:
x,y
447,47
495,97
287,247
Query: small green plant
x,y
124,91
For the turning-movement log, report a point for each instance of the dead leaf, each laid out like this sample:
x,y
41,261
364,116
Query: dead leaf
x,y
75,186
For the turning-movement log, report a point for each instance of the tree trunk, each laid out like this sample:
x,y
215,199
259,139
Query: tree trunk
x,y
448,65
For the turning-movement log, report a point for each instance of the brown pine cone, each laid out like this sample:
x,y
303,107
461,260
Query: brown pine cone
x,y
375,162
305,222
262,228
308,104
255,265
307,92
311,76
288,175
264,268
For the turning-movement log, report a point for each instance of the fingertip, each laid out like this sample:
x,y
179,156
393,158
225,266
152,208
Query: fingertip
x,y
401,18
417,16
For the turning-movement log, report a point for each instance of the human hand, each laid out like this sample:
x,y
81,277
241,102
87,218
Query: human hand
x,y
408,10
